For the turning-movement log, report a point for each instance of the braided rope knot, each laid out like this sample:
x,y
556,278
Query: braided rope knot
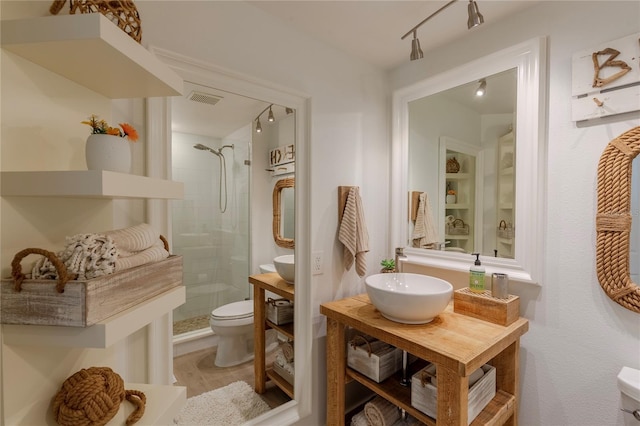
x,y
92,397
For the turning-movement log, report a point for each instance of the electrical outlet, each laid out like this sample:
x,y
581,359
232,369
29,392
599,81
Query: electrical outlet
x,y
316,263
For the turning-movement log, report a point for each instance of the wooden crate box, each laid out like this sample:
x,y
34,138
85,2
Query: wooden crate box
x,y
375,359
279,311
84,303
424,394
486,307
283,373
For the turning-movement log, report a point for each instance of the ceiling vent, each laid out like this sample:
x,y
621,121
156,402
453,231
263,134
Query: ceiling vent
x,y
204,98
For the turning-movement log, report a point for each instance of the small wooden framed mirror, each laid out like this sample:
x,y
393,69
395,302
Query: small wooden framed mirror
x,y
613,220
283,217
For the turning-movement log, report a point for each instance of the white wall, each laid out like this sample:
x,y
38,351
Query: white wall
x,y
578,338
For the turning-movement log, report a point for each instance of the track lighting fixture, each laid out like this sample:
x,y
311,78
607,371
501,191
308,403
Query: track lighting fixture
x,y
482,88
270,117
475,19
416,52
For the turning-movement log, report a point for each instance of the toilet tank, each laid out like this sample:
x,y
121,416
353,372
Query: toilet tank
x,y
629,386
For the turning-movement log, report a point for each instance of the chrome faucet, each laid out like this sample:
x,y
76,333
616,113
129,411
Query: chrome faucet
x,y
399,255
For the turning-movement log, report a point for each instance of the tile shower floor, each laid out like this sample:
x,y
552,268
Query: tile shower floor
x,y
190,324
199,374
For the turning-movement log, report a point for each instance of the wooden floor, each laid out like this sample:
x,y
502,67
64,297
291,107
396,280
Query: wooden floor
x,y
199,374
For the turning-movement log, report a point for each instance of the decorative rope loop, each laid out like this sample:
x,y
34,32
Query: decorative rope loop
x,y
18,276
92,397
613,219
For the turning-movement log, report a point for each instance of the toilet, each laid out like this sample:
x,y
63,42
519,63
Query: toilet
x,y
233,324
629,386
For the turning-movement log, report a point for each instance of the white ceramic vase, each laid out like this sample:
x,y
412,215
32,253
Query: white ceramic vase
x,y
451,199
107,152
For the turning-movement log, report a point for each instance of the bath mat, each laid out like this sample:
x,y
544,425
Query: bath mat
x,y
231,405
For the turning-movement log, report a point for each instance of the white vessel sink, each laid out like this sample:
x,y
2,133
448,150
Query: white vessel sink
x,y
408,298
285,267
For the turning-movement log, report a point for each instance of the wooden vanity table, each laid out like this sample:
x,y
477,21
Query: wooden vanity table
x,y
457,344
274,283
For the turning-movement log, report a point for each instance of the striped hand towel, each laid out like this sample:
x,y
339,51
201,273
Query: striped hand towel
x,y
353,233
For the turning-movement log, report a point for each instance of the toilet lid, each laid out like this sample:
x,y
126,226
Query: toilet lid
x,y
235,310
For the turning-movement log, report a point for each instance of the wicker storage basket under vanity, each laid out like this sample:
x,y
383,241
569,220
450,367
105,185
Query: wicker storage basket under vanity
x,y
76,303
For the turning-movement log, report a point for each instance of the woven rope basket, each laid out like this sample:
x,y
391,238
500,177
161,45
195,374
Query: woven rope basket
x,y
123,13
613,219
92,397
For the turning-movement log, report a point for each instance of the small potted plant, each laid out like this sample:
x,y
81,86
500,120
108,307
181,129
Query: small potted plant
x,y
388,265
451,196
107,147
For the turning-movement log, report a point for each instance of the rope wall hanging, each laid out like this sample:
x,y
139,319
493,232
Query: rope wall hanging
x,y
613,219
91,397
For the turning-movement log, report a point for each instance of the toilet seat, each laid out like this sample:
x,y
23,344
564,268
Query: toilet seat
x,y
233,311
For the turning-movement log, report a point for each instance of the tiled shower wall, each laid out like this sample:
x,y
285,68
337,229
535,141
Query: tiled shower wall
x,y
214,245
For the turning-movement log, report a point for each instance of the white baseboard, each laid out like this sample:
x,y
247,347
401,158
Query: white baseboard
x,y
194,341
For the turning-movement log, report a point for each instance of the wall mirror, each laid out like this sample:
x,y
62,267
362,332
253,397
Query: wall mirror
x,y
432,125
158,161
616,200
283,212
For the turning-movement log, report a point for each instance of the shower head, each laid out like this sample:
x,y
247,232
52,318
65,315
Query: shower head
x,y
206,148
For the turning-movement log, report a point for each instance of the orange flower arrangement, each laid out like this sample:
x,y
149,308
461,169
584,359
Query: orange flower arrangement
x,y
100,127
451,192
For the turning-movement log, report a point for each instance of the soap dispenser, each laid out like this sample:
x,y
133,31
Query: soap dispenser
x,y
476,275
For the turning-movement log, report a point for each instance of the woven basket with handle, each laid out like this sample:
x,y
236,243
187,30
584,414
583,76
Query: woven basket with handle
x,y
123,13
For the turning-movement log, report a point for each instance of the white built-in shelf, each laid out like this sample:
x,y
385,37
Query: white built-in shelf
x,y
456,237
93,52
457,206
164,403
457,176
87,184
507,171
100,335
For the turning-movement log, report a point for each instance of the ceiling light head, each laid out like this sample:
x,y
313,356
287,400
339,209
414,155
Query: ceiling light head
x,y
475,17
482,88
416,51
258,125
271,118
288,110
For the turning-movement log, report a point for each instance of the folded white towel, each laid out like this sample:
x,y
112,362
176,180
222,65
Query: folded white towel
x,y
133,239
353,233
380,412
94,255
87,255
152,254
424,231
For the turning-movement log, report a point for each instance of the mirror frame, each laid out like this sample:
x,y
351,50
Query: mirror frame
x,y
529,60
158,159
613,220
277,212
